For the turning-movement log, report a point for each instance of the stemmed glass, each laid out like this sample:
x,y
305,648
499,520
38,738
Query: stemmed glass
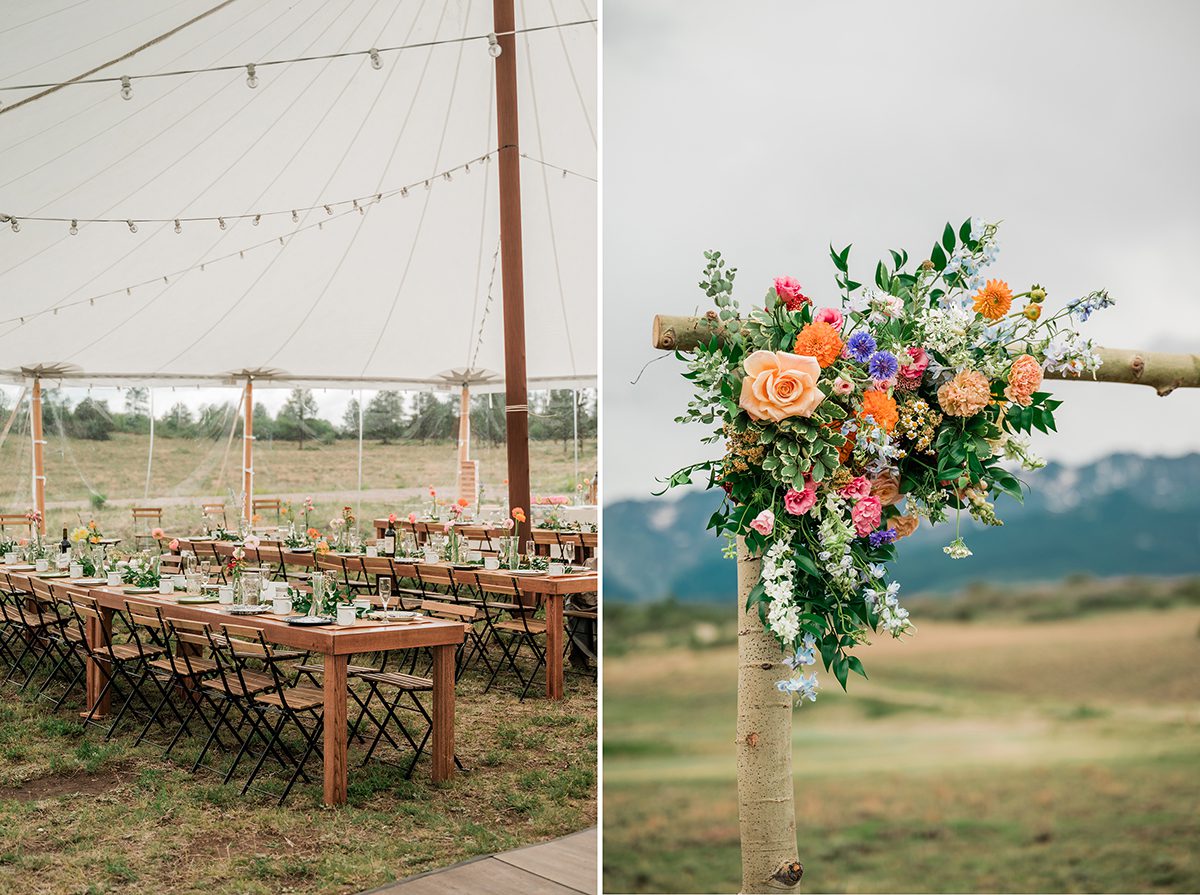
x,y
385,593
568,552
530,551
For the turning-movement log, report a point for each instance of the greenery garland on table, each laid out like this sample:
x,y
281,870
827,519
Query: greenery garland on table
x,y
914,391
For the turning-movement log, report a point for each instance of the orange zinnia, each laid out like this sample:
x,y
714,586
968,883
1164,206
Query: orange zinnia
x,y
881,407
819,340
994,299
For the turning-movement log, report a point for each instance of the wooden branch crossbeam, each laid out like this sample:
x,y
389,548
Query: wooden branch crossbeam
x,y
1160,370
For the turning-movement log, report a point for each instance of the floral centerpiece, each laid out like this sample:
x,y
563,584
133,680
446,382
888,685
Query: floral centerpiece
x,y
35,548
139,571
845,425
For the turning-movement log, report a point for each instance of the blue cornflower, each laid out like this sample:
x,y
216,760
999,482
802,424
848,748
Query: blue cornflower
x,y
883,365
861,346
882,537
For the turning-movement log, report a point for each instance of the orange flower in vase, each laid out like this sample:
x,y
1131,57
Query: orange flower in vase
x,y
994,299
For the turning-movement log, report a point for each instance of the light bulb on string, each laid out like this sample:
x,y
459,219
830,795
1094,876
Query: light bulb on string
x,y
446,177
126,88
132,226
257,218
15,224
494,48
426,184
74,228
376,62
467,168
221,223
295,217
251,76
404,192
328,210
178,226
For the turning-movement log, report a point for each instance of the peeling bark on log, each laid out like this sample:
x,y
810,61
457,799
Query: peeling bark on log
x,y
766,809
1161,371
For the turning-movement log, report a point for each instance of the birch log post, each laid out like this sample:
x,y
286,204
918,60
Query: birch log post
x,y
766,809
766,793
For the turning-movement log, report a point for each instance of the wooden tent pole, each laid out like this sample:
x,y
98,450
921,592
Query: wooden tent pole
x,y
248,452
39,461
516,394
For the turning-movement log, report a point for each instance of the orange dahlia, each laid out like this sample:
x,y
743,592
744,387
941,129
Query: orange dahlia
x,y
819,340
881,407
994,299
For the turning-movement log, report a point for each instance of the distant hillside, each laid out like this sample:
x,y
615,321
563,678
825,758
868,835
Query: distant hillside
x,y
1123,515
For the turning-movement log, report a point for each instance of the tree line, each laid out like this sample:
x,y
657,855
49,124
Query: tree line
x,y
388,417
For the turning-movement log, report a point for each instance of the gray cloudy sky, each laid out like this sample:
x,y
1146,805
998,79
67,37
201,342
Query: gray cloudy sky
x,y
769,129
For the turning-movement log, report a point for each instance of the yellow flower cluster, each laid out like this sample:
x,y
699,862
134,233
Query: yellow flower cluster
x,y
918,424
742,450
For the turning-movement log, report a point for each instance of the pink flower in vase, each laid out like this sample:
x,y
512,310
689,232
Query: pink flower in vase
x,y
832,316
764,522
788,290
866,515
797,503
174,545
412,517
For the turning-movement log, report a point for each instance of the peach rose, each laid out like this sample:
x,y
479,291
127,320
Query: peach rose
x,y
886,488
1023,380
904,525
779,385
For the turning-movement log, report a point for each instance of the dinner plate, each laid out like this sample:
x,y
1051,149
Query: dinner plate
x,y
394,614
22,567
89,581
248,610
308,621
54,574
187,601
526,572
140,590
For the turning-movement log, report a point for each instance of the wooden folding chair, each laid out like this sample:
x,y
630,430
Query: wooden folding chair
x,y
268,504
214,512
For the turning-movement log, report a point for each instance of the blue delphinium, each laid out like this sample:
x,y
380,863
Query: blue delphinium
x,y
861,346
1083,308
883,365
882,537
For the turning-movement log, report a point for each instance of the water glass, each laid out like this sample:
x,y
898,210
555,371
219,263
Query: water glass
x,y
385,592
530,549
568,553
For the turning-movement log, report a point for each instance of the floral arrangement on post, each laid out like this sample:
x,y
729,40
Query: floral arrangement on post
x,y
843,426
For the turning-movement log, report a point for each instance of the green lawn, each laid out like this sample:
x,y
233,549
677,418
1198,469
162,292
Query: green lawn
x,y
997,755
185,471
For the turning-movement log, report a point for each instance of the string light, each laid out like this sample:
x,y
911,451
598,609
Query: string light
x,y
251,76
74,228
257,218
178,226
126,88
446,177
221,223
295,217
376,62
328,210
15,224
132,226
493,40
351,205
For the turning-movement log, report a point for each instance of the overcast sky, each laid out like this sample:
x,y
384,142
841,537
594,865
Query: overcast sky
x,y
770,129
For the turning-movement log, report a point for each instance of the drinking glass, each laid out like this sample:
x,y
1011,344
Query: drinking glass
x,y
568,552
530,549
385,593
251,588
318,592
206,570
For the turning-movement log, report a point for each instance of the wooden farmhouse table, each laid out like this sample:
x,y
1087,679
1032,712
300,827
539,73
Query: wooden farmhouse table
x,y
585,542
552,590
335,643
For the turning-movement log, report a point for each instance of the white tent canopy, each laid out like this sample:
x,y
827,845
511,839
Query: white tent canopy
x,y
387,293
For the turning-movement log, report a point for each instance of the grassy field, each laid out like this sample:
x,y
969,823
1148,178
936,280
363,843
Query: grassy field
x,y
78,815
1000,754
395,476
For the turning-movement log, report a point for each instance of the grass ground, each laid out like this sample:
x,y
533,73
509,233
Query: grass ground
x,y
78,815
395,476
998,755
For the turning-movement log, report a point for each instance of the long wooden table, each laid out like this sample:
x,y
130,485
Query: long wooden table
x,y
335,643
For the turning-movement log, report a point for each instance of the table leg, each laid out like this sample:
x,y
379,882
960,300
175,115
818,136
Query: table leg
x,y
99,632
554,646
443,712
335,729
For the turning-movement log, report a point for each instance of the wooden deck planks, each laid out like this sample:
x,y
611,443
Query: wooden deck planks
x,y
565,866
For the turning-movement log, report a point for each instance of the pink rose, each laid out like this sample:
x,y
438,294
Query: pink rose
x,y
174,545
915,368
788,290
832,316
779,385
800,502
866,515
764,522
842,386
859,487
